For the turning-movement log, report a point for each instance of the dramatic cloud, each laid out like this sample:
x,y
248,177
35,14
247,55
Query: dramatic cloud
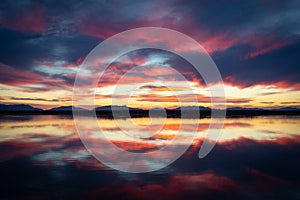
x,y
253,43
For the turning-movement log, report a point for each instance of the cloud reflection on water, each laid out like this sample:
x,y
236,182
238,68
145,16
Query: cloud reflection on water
x,y
255,158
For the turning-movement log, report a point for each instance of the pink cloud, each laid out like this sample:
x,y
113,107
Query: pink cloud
x,y
31,20
264,45
18,77
233,81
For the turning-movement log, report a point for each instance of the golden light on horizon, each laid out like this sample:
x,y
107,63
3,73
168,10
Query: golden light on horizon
x,y
257,96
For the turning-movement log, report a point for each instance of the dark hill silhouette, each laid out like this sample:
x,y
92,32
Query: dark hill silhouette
x,y
240,108
193,108
289,108
106,111
66,109
109,108
18,107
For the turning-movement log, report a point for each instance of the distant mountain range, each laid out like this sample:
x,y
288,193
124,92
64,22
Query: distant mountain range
x,y
18,107
109,108
24,107
260,109
66,109
106,111
289,108
239,108
193,108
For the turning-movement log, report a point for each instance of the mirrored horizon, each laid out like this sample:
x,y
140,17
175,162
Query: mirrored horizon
x,y
254,158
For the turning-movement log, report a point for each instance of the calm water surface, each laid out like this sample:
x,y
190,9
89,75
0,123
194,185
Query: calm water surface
x,y
42,157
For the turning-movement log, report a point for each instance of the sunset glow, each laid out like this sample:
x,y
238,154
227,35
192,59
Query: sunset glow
x,y
258,69
150,99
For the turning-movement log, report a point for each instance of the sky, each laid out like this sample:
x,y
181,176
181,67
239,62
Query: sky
x,y
255,45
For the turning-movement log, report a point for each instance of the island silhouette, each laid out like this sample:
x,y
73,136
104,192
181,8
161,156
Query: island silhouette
x,y
109,111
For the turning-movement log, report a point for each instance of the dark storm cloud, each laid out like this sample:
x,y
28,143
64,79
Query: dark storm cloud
x,y
17,51
275,66
22,49
243,17
270,30
252,42
60,39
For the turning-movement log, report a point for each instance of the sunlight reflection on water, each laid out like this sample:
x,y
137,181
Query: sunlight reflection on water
x,y
258,155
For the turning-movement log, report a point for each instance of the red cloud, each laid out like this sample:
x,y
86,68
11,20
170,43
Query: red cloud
x,y
19,77
28,20
264,45
98,28
211,41
233,81
15,77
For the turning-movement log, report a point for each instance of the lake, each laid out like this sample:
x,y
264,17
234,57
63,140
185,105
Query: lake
x,y
42,157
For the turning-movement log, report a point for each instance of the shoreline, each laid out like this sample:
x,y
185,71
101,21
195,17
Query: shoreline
x,y
168,113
